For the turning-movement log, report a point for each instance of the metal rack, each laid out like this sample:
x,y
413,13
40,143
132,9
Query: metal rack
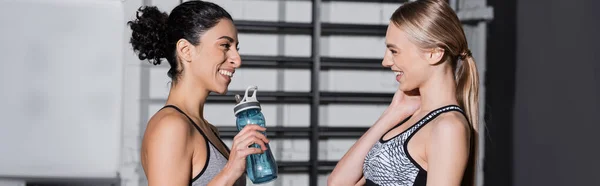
x,y
315,97
327,63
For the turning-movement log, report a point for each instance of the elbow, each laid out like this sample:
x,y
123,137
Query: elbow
x,y
330,181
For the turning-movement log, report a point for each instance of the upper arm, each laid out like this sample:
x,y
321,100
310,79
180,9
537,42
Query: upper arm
x,y
349,170
447,151
166,152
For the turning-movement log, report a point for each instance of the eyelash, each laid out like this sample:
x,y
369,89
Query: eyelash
x,y
227,46
393,51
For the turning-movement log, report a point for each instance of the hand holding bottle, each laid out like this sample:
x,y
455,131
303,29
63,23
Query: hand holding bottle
x,y
251,134
260,167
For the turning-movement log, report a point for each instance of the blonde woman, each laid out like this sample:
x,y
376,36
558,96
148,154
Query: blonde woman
x,y
428,134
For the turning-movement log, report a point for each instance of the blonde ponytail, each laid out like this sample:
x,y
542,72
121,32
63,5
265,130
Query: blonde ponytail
x,y
467,91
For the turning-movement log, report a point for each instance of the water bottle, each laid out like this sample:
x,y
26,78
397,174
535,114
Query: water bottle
x,y
260,168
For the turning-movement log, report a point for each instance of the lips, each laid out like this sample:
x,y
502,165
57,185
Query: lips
x,y
398,75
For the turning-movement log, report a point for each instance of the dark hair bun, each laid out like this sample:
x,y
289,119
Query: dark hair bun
x,y
149,36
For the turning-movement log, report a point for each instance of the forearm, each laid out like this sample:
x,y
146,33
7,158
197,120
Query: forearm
x,y
348,171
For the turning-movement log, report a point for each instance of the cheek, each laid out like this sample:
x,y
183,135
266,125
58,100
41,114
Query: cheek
x,y
412,67
397,60
412,63
208,61
402,61
200,65
201,70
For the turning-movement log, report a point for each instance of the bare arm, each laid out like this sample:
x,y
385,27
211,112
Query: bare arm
x,y
348,171
447,152
167,156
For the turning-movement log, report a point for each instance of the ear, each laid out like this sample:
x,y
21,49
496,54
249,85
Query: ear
x,y
435,55
184,50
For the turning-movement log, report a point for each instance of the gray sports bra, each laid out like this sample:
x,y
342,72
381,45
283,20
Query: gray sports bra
x,y
215,161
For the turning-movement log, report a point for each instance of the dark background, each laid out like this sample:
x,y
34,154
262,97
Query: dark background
x,y
543,93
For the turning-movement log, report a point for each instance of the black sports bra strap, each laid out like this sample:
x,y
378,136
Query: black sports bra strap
x,y
431,115
188,117
436,112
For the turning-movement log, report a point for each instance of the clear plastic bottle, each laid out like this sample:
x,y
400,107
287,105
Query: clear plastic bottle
x,y
260,168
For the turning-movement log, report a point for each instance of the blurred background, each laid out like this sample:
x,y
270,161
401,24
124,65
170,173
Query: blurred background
x,y
75,98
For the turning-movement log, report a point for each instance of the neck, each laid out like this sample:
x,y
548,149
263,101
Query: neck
x,y
189,97
439,90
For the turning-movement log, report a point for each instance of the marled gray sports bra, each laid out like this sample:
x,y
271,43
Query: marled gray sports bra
x,y
215,161
389,163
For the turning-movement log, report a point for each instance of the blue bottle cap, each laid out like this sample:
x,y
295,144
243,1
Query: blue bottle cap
x,y
248,102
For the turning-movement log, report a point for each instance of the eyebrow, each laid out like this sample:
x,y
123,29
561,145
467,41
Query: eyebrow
x,y
389,45
231,40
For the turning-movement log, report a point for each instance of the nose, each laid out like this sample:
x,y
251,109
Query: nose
x,y
387,60
235,59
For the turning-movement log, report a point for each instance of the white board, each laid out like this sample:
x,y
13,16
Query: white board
x,y
60,88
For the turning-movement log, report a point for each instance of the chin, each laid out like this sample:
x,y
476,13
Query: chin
x,y
402,87
405,88
221,90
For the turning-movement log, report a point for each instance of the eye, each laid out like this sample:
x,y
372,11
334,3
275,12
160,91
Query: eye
x,y
226,45
393,51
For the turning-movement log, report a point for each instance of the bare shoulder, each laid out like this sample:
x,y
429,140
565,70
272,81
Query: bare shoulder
x,y
167,130
167,148
451,125
167,122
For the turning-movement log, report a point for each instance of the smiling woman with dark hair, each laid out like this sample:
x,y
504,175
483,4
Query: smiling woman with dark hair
x,y
199,41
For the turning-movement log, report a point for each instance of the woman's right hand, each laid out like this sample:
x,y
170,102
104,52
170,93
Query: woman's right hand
x,y
404,104
348,170
250,134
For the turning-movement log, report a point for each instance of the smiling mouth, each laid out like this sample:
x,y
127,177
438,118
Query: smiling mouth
x,y
226,73
399,75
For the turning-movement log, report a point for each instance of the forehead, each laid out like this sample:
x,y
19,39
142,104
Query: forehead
x,y
224,27
395,35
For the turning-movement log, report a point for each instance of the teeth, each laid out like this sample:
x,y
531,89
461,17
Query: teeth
x,y
398,73
225,72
